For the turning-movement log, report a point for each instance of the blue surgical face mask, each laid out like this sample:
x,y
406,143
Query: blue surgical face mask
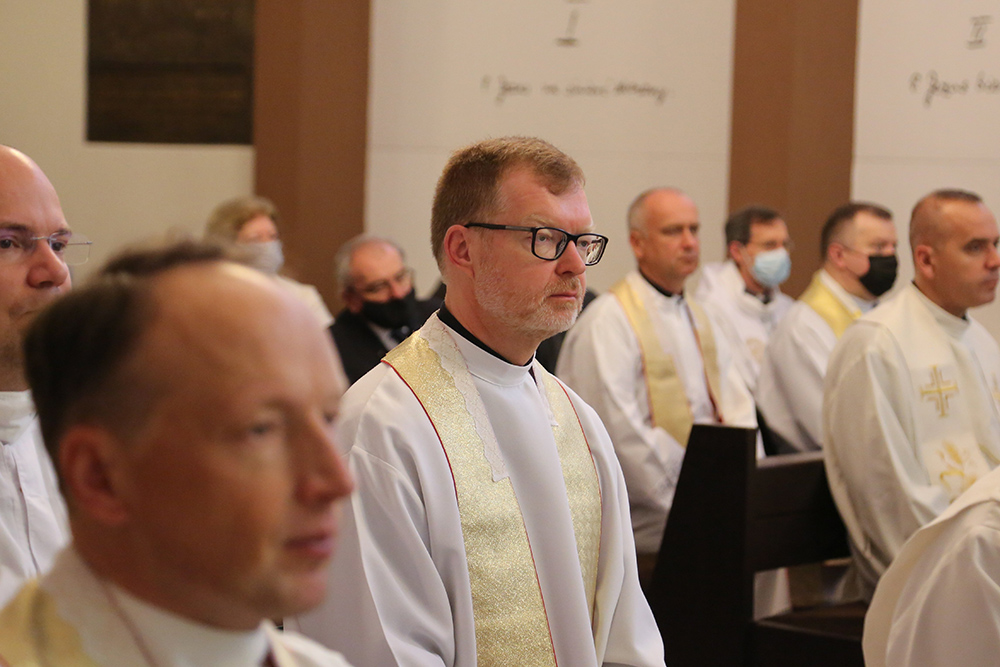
x,y
772,267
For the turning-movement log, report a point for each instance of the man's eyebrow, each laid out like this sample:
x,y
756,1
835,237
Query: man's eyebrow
x,y
542,221
538,220
21,227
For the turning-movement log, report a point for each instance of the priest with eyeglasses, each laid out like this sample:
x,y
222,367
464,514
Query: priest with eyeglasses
x,y
490,524
37,249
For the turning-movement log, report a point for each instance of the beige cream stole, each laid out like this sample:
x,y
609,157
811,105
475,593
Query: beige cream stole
x,y
510,617
668,400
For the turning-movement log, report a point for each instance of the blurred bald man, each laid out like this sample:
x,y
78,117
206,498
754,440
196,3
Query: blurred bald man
x,y
195,444
910,415
36,245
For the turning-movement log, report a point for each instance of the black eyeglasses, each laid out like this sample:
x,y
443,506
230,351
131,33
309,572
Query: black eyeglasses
x,y
549,243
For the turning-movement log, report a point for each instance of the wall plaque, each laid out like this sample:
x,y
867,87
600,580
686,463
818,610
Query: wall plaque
x,y
170,71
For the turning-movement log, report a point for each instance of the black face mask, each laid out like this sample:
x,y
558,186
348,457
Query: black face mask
x,y
881,274
392,314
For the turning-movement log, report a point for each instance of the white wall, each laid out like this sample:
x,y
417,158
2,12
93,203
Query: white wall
x,y
113,193
913,136
437,68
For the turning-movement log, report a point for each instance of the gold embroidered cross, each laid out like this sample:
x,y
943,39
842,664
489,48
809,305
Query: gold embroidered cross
x,y
939,391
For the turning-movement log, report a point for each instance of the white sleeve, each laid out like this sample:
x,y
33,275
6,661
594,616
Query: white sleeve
x,y
949,611
601,361
726,327
738,407
625,630
790,387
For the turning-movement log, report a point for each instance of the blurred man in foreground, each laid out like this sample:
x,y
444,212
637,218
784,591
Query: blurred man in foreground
x,y
190,404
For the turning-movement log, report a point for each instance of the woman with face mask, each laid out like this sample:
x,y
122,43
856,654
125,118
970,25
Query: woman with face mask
x,y
251,223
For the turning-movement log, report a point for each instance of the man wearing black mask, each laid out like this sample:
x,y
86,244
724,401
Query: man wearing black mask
x,y
381,309
858,247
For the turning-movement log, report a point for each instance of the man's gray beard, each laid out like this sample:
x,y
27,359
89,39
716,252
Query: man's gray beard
x,y
537,324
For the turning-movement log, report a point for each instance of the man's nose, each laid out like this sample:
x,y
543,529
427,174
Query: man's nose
x,y
46,268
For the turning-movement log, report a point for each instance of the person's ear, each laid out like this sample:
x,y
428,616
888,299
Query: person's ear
x,y
635,239
457,248
734,252
923,261
352,300
835,254
90,460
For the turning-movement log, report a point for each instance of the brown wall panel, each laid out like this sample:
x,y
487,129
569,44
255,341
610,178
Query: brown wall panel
x,y
793,115
310,119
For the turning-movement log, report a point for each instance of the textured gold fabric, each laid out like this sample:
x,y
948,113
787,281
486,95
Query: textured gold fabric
x,y
826,304
32,634
709,355
668,400
582,487
511,623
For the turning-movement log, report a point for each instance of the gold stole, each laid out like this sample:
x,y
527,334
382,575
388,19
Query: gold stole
x,y
511,623
820,298
33,634
668,401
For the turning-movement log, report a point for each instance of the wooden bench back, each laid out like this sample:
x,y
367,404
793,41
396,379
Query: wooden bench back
x,y
731,517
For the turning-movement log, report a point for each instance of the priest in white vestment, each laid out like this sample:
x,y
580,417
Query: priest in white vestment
x,y
910,413
33,271
858,246
490,525
652,363
938,604
649,314
196,447
743,294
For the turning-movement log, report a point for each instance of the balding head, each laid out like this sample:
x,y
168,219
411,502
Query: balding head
x,y
954,241
31,273
928,223
663,232
189,403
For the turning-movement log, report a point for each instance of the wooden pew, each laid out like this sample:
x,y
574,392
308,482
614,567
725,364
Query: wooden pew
x,y
733,516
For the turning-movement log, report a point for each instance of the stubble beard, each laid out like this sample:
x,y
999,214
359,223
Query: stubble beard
x,y
11,364
523,311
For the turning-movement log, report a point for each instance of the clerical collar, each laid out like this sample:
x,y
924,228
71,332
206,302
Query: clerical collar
x,y
958,323
449,319
16,412
168,637
764,297
666,293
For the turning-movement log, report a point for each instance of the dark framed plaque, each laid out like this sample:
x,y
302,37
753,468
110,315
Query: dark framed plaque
x,y
170,71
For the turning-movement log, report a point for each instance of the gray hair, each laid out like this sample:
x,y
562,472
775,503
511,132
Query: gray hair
x,y
342,260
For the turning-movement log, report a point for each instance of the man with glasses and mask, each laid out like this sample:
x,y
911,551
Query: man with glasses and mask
x,y
36,249
858,246
490,525
911,402
380,305
743,293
